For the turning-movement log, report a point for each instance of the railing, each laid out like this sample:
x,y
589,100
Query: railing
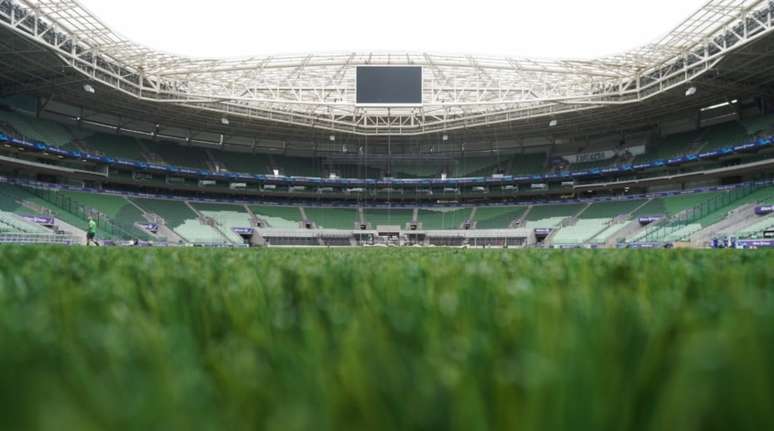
x,y
695,214
32,238
111,227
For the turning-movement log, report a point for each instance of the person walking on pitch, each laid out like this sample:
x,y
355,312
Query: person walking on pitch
x,y
91,233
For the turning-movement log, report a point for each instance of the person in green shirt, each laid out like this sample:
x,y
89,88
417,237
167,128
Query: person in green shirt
x,y
91,233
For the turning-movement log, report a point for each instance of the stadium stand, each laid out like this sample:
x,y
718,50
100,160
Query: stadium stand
x,y
297,166
671,146
116,208
23,201
12,223
763,124
38,129
755,230
278,217
124,147
608,232
441,219
182,219
388,217
244,162
582,231
611,209
497,217
723,135
527,163
228,217
332,218
690,213
551,216
190,157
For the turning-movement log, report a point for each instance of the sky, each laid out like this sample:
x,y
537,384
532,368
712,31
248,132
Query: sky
x,y
520,28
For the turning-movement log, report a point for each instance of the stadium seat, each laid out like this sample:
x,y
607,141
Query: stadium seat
x,y
332,218
497,217
582,231
278,217
227,217
388,217
182,220
442,219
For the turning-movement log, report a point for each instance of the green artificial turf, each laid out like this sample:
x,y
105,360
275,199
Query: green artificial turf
x,y
106,339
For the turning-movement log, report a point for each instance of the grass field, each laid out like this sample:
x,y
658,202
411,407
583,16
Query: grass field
x,y
104,339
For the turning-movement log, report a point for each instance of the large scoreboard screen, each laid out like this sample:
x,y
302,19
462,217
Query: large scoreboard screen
x,y
389,85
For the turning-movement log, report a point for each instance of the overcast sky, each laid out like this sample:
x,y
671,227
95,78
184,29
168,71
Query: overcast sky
x,y
547,28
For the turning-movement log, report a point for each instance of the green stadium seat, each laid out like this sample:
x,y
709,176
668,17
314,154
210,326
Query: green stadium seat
x,y
278,217
332,218
123,147
227,216
497,217
39,129
182,220
610,209
388,217
582,231
441,219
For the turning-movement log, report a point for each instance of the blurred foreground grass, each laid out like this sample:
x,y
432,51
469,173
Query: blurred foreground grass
x,y
98,339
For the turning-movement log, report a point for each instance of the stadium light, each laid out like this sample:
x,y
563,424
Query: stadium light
x,y
445,138
225,121
690,91
332,138
276,172
89,88
332,175
553,123
443,176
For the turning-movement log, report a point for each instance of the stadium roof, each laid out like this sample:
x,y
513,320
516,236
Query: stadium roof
x,y
318,90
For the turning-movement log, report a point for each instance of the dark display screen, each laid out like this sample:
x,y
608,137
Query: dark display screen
x,y
389,85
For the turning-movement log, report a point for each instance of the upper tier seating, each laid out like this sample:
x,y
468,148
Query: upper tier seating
x,y
123,147
671,146
253,163
756,125
723,135
459,165
298,166
39,129
188,156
